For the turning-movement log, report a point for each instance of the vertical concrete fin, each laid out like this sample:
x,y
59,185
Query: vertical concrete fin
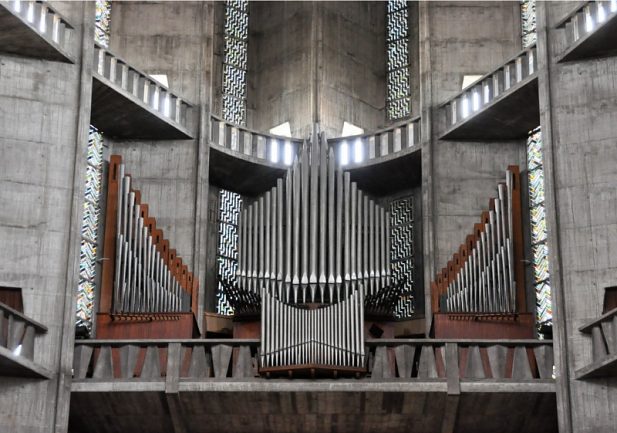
x,y
201,365
81,360
544,359
152,364
474,368
221,355
427,367
497,359
404,359
243,366
520,366
128,359
381,367
103,369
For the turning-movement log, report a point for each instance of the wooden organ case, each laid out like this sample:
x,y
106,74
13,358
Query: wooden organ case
x,y
481,293
146,289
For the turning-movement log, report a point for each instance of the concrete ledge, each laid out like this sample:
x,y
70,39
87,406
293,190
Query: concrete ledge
x,y
599,43
510,116
119,114
13,365
606,367
19,37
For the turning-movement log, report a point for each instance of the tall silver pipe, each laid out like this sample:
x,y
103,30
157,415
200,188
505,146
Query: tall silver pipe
x,y
266,228
305,170
260,241
296,235
314,212
331,208
288,231
365,242
353,233
340,198
359,245
323,204
388,248
347,203
279,237
249,247
371,248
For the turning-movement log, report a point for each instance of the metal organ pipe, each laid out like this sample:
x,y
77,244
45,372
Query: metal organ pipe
x,y
483,279
144,279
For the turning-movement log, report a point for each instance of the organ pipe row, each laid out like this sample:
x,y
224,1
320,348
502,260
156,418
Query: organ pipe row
x,y
315,236
148,277
482,275
331,335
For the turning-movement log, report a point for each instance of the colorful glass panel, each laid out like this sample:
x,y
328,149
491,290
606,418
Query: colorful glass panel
x,y
89,230
528,22
102,22
537,219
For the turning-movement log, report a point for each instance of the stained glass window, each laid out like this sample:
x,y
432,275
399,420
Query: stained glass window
x,y
539,248
102,23
402,251
528,22
227,252
235,61
89,231
398,99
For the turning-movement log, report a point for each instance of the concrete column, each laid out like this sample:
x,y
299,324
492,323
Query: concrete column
x,y
43,139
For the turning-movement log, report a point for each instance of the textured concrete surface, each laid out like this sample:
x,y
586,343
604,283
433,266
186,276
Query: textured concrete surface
x,y
314,411
44,112
461,38
579,120
316,61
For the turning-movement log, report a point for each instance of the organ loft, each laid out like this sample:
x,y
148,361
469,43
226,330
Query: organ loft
x,y
241,216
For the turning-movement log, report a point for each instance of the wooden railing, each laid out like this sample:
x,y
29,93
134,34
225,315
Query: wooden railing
x,y
404,359
273,149
18,332
140,85
44,20
603,333
494,85
587,19
359,149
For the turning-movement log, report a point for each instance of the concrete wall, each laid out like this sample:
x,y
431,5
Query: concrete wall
x,y
173,38
579,121
461,38
44,115
322,61
279,75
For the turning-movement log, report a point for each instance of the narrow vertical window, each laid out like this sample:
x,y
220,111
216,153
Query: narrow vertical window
x,y
102,22
402,252
528,22
89,233
227,251
539,248
398,100
235,61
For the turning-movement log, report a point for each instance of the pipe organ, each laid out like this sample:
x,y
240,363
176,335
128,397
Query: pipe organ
x,y
485,279
143,278
330,336
315,236
312,248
